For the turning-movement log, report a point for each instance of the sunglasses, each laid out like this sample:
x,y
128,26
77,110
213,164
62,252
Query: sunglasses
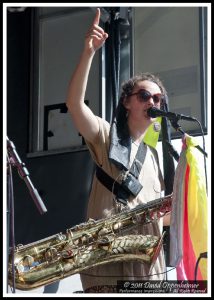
x,y
144,96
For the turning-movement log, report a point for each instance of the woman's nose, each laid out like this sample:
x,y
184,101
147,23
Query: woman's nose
x,y
151,101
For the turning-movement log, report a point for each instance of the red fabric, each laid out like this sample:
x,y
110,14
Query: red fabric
x,y
186,268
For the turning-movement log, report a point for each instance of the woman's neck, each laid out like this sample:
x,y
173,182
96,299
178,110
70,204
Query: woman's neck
x,y
137,133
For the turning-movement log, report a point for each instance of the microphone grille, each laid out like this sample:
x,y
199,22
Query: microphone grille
x,y
151,112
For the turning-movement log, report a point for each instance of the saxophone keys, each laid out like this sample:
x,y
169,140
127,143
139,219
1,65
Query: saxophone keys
x,y
117,226
103,231
19,246
60,237
25,264
86,238
51,254
76,242
28,260
69,253
69,234
105,242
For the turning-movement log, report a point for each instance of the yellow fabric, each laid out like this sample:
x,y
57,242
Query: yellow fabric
x,y
197,203
151,137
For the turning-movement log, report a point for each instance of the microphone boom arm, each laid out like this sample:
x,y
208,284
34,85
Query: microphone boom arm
x,y
177,127
154,112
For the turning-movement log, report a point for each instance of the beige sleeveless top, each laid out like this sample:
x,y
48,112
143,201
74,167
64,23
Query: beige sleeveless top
x,y
102,204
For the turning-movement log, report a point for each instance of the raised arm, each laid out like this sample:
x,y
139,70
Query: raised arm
x,y
83,118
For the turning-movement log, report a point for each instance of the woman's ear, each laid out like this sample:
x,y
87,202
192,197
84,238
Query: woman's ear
x,y
126,102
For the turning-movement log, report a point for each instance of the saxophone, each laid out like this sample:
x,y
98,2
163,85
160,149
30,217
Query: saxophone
x,y
93,243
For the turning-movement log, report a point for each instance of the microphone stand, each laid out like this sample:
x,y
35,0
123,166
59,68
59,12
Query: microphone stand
x,y
10,220
177,127
23,172
13,159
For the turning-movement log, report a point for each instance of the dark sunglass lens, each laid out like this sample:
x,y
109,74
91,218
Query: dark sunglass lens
x,y
145,95
157,98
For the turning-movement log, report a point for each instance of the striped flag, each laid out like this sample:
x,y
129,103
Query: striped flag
x,y
188,229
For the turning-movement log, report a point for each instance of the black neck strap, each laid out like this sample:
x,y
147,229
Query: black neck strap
x,y
138,160
112,185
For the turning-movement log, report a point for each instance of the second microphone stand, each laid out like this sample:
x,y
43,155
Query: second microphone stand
x,y
23,172
13,159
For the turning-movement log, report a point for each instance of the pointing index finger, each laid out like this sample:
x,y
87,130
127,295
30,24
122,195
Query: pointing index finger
x,y
97,17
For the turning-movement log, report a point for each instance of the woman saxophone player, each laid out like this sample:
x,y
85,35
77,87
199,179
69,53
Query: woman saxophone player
x,y
138,94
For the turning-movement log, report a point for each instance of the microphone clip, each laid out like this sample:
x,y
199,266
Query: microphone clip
x,y
175,125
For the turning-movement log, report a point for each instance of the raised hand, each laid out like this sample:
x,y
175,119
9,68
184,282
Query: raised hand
x,y
96,36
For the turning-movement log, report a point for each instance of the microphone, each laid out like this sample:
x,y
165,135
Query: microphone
x,y
154,112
